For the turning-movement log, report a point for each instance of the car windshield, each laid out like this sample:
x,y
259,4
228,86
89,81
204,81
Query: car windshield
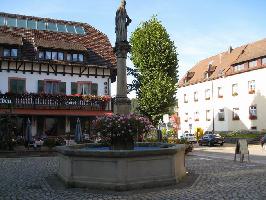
x,y
217,136
190,135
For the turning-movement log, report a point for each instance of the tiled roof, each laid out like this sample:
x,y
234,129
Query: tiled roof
x,y
59,44
223,62
100,51
11,40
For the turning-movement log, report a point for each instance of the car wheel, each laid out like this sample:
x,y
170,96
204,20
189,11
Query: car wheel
x,y
200,144
209,144
222,144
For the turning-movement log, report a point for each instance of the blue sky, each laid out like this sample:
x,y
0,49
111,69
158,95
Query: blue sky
x,y
200,28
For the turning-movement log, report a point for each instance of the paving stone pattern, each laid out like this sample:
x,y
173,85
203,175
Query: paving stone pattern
x,y
34,178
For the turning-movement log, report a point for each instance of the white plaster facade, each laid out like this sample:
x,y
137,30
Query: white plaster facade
x,y
32,81
228,102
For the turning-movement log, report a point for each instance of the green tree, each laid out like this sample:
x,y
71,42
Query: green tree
x,y
155,69
134,106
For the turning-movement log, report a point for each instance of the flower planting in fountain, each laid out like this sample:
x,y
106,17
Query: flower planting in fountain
x,y
121,131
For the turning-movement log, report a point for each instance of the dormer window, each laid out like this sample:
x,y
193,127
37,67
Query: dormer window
x,y
10,52
206,75
210,71
264,61
239,67
252,64
75,57
189,76
51,55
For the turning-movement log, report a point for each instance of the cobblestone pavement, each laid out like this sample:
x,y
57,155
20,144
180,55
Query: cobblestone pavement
x,y
34,178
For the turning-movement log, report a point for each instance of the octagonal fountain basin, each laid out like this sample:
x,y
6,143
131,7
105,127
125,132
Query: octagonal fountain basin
x,y
148,165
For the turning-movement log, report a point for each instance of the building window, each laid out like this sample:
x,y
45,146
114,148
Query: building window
x,y
264,61
207,94
185,98
69,57
235,113
251,87
234,90
196,96
196,116
208,115
75,57
206,75
17,86
51,87
48,55
221,115
41,55
253,112
186,117
252,64
60,56
239,67
84,88
81,58
54,55
220,92
10,52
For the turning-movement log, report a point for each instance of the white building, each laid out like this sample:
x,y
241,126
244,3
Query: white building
x,y
53,72
225,92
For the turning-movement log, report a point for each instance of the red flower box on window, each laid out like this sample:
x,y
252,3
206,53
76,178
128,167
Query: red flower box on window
x,y
236,118
251,91
252,117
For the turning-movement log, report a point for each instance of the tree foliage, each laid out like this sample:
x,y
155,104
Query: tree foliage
x,y
155,60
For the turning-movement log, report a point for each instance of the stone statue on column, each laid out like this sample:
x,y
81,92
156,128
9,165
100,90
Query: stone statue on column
x,y
122,47
122,21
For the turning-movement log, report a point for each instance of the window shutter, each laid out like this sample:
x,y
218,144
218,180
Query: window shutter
x,y
40,86
21,86
13,85
62,87
94,89
74,88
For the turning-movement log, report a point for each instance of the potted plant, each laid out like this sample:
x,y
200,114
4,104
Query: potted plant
x,y
120,131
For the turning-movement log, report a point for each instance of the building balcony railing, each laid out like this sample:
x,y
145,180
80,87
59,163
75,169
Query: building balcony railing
x,y
48,101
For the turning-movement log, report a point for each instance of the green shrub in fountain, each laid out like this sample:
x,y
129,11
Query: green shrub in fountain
x,y
120,131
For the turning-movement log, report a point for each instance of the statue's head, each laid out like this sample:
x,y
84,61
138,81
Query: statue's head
x,y
123,3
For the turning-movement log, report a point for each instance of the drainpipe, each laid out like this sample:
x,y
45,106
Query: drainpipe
x,y
213,117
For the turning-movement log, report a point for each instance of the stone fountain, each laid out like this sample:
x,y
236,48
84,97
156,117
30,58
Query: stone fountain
x,y
147,165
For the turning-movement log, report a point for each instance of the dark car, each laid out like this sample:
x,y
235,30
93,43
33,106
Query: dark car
x,y
263,141
211,140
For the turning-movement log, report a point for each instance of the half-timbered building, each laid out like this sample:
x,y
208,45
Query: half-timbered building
x,y
54,71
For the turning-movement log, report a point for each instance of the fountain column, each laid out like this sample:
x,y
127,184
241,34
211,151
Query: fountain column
x,y
122,102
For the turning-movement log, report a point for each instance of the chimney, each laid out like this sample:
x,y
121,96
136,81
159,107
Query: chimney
x,y
230,49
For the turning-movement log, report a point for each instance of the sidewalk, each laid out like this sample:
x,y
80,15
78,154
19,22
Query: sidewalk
x,y
21,151
256,153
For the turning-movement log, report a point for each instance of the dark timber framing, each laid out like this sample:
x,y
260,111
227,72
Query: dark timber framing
x,y
50,68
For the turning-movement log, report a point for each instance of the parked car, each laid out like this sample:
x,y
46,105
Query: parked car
x,y
263,141
211,140
190,137
208,132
